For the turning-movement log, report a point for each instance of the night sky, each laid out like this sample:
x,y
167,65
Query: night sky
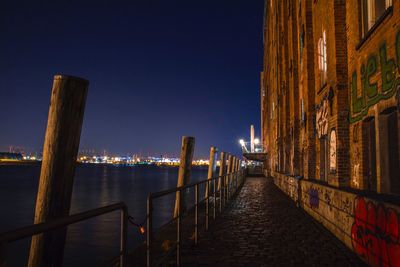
x,y
157,70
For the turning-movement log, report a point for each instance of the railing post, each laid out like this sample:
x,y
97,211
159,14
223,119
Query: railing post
x,y
224,191
240,171
237,171
220,193
185,167
229,181
232,183
196,213
149,231
208,184
60,150
211,171
215,199
124,225
229,171
222,165
178,231
211,166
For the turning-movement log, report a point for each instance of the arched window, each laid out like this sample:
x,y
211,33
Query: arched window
x,y
322,59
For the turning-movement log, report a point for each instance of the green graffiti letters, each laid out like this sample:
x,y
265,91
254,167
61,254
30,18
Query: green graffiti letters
x,y
371,89
387,70
370,93
357,102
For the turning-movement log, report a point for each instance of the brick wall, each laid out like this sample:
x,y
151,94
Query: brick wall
x,y
293,94
362,91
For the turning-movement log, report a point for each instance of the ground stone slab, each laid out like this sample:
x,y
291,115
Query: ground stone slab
x,y
263,227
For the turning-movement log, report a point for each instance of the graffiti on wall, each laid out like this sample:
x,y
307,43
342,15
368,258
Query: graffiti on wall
x,y
355,172
322,118
375,233
313,198
355,157
332,151
373,227
370,93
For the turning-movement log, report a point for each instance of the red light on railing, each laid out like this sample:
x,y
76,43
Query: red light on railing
x,y
142,230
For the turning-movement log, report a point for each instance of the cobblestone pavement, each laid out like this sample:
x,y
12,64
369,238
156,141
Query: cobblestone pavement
x,y
263,227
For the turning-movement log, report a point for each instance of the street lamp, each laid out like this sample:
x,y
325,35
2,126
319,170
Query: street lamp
x,y
256,141
243,145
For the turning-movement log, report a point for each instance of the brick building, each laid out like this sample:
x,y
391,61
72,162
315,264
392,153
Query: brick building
x,y
330,109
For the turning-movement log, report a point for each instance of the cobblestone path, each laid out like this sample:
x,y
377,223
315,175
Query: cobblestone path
x,y
263,227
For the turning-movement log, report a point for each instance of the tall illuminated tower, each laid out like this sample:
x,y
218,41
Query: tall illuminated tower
x,y
252,138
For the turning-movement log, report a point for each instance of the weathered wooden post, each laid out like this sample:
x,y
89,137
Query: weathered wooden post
x,y
222,166
226,179
211,168
231,166
185,167
232,177
67,106
238,173
237,167
235,170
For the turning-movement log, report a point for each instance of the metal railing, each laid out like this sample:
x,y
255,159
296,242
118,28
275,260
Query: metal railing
x,y
220,189
223,188
39,228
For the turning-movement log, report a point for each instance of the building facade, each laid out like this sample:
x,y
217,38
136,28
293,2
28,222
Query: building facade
x,y
330,103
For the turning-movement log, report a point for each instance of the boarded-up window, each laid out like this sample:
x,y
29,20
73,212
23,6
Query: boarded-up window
x,y
369,153
389,151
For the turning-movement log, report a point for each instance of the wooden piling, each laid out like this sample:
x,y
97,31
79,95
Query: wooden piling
x,y
185,167
60,151
228,177
222,165
237,172
233,175
230,164
211,168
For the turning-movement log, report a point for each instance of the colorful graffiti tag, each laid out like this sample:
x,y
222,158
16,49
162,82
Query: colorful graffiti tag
x,y
314,198
375,233
370,93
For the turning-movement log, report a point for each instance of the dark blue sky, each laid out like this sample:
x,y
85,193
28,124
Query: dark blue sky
x,y
157,70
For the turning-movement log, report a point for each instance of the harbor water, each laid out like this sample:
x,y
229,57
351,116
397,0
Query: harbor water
x,y
96,241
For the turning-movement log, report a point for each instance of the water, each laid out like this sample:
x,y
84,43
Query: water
x,y
93,242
